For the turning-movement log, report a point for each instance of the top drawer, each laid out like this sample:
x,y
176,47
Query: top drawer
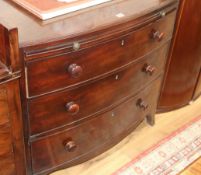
x,y
49,74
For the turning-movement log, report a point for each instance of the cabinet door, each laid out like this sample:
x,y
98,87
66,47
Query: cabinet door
x,y
185,58
12,157
7,165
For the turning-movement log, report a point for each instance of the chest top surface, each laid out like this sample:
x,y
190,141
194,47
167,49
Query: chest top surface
x,y
35,31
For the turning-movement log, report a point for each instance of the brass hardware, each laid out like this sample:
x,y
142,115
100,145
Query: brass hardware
x,y
162,14
122,42
76,46
157,35
149,69
116,77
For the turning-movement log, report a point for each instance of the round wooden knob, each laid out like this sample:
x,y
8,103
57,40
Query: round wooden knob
x,y
157,35
149,69
142,104
72,108
75,70
70,146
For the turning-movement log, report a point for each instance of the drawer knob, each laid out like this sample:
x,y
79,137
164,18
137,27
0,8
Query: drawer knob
x,y
149,69
70,145
75,70
142,104
157,35
72,108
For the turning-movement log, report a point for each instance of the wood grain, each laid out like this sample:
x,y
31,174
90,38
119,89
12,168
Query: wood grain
x,y
185,58
116,58
12,157
143,138
94,136
94,98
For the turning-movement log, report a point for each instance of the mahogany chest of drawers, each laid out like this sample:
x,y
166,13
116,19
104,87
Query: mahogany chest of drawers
x,y
88,80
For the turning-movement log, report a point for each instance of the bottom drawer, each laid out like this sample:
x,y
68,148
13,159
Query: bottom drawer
x,y
91,138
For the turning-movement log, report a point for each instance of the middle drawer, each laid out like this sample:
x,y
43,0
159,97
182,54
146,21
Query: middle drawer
x,y
72,106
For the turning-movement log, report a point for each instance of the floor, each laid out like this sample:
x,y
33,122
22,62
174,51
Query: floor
x,y
141,139
194,169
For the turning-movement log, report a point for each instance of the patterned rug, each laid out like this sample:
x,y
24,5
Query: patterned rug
x,y
171,155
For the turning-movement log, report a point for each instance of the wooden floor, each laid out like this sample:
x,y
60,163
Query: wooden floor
x,y
194,169
141,139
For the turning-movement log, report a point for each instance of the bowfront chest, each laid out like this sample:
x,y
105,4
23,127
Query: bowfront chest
x,y
87,79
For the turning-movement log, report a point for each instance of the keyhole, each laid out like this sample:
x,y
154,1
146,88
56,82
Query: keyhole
x,y
122,42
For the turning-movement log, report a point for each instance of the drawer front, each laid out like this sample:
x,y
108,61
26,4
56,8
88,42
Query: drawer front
x,y
49,74
84,141
71,107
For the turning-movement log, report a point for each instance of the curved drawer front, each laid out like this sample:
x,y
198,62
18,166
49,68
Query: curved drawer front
x,y
49,74
73,106
92,137
85,141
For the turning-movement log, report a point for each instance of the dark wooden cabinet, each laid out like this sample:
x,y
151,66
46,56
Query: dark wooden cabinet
x,y
12,150
12,155
184,63
86,84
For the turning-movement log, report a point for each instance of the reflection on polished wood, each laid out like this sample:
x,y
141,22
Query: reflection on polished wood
x,y
184,64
